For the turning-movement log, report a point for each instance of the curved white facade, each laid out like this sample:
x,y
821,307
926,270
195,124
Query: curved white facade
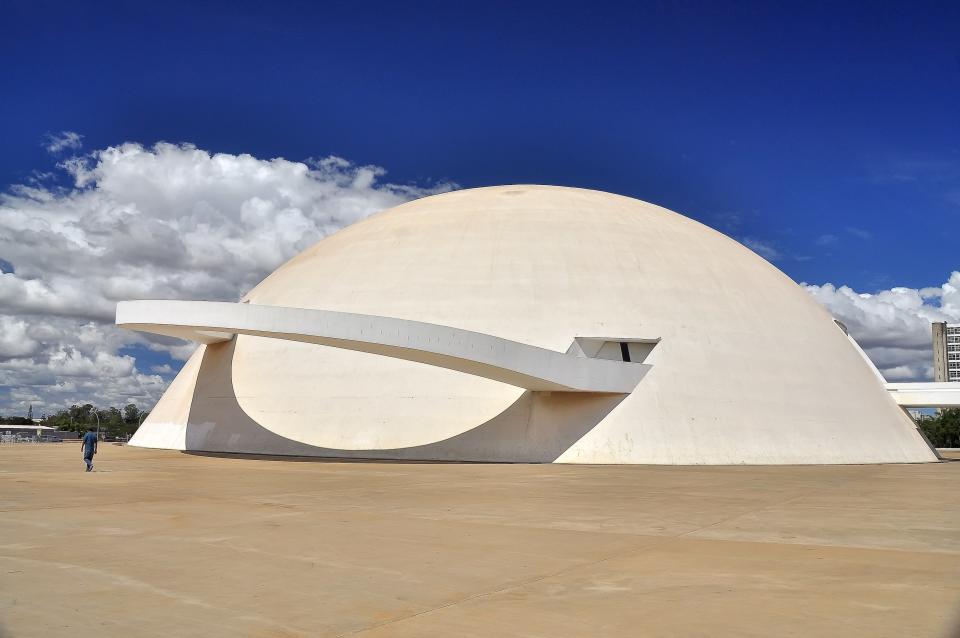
x,y
748,367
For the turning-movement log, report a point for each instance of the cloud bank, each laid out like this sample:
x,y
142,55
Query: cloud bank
x,y
164,222
177,222
893,326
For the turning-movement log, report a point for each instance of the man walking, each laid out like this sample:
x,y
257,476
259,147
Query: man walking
x,y
89,445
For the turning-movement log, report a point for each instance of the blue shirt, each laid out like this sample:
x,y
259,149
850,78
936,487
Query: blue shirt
x,y
89,443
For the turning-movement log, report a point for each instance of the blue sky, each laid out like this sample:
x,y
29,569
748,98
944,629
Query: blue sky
x,y
787,123
825,136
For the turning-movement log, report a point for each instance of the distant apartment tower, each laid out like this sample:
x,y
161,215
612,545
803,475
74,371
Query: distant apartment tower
x,y
946,351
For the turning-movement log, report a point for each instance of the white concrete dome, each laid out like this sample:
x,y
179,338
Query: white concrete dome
x,y
748,369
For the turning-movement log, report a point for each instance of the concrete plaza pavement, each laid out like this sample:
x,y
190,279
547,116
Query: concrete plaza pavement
x,y
161,543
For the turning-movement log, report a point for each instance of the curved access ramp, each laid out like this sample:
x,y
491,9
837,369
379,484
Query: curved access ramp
x,y
483,355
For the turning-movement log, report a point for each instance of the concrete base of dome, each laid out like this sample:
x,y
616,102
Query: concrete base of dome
x,y
202,413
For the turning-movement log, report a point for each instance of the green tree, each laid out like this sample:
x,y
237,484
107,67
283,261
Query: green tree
x,y
15,420
943,430
131,414
114,422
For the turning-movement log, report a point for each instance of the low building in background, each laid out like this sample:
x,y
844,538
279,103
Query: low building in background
x,y
35,432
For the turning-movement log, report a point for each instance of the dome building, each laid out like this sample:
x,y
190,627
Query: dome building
x,y
525,324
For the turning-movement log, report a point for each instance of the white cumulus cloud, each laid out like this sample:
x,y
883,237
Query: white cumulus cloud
x,y
165,222
893,326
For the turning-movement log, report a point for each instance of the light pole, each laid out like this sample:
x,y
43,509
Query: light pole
x,y
98,422
139,422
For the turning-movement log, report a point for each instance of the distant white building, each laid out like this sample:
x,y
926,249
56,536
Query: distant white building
x,y
946,351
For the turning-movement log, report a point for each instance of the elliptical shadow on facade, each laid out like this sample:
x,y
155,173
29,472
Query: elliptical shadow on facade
x,y
537,428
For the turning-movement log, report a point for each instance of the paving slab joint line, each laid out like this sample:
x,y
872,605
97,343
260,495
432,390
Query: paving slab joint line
x,y
530,581
736,516
131,582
